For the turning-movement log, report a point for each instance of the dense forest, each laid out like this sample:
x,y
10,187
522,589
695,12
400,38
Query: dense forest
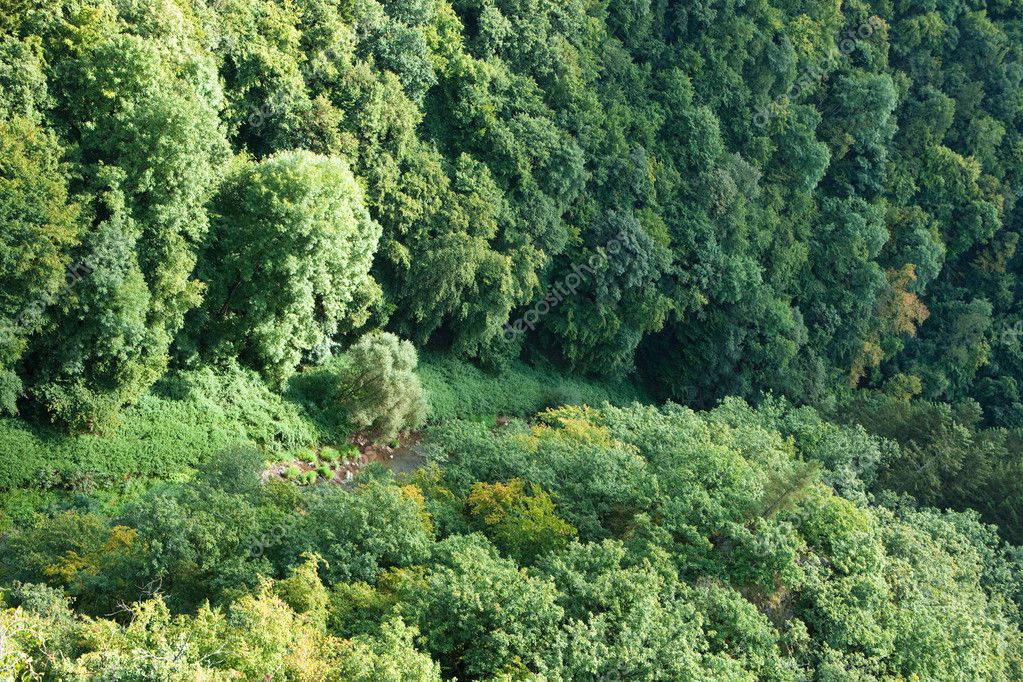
x,y
431,340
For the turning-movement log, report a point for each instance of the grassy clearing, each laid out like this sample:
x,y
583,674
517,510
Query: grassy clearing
x,y
458,390
190,416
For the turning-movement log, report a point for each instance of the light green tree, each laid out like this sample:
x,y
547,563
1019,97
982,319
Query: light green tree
x,y
378,388
289,253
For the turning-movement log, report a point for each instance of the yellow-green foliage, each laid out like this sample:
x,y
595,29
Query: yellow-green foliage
x,y
522,524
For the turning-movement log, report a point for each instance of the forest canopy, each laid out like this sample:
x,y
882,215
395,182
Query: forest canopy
x,y
698,324
802,199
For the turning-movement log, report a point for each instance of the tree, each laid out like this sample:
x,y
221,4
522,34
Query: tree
x,y
288,255
608,294
844,249
523,525
260,50
360,534
391,656
629,620
40,226
480,614
139,104
377,386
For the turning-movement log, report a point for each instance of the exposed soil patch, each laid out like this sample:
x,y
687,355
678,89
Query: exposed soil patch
x,y
404,456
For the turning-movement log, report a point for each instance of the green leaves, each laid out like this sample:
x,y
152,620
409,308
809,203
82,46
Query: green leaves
x,y
377,387
479,614
40,227
523,525
736,564
142,117
290,250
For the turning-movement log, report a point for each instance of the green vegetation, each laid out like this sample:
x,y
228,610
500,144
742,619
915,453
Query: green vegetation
x,y
802,200
458,390
693,329
182,423
292,245
380,392
642,542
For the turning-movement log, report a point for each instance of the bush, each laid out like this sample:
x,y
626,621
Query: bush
x,y
521,522
379,390
235,470
315,391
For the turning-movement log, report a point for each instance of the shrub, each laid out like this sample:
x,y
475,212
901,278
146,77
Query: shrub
x,y
521,522
329,454
360,533
351,454
307,455
235,470
308,478
379,390
315,391
292,472
325,472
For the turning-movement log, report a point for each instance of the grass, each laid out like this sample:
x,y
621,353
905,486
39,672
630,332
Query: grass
x,y
457,390
307,455
180,424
